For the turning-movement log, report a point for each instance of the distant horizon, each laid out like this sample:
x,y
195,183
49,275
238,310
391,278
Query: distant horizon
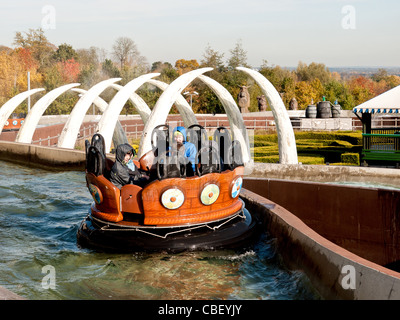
x,y
354,67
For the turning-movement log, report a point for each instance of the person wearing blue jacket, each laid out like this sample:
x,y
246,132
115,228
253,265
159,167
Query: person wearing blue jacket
x,y
179,134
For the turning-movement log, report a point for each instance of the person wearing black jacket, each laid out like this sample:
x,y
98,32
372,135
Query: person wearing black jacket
x,y
121,174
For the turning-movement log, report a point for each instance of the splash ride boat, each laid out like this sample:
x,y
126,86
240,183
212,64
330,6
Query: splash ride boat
x,y
178,209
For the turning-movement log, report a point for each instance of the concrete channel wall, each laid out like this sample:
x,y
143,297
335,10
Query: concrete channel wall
x,y
329,266
327,245
49,157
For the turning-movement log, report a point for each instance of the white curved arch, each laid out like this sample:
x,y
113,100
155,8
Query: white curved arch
x,y
286,138
110,116
160,111
119,135
144,111
140,105
7,108
27,130
71,129
181,104
235,118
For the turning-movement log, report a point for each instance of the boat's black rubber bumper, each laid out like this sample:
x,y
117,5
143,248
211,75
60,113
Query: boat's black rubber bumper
x,y
238,232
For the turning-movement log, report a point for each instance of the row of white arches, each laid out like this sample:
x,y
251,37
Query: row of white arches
x,y
112,131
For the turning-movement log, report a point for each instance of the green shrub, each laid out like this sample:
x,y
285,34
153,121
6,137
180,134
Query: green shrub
x,y
266,137
264,143
265,151
355,138
303,159
340,143
267,159
311,160
350,158
343,164
307,142
312,147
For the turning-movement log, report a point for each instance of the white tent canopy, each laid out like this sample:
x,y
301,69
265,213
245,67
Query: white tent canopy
x,y
387,102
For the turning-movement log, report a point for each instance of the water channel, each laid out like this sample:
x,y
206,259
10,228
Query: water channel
x,y
40,212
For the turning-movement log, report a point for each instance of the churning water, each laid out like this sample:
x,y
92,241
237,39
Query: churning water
x,y
40,212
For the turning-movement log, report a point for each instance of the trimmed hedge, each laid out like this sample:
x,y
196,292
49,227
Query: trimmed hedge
x,y
337,147
303,159
350,158
316,147
354,138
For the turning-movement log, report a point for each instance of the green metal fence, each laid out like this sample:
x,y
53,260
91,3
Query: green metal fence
x,y
382,145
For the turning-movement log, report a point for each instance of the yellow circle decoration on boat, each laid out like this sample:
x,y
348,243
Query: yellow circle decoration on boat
x,y
209,194
96,193
172,198
236,187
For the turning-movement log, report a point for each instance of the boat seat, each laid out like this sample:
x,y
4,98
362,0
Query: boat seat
x,y
236,155
223,139
208,159
171,164
95,161
95,155
160,139
197,135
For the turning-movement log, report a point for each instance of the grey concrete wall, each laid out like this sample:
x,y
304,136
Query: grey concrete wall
x,y
359,219
325,263
50,157
327,173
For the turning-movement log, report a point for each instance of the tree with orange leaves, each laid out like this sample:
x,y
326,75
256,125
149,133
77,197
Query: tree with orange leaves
x,y
69,70
184,66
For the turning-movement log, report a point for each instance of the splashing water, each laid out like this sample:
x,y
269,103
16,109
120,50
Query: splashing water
x,y
40,212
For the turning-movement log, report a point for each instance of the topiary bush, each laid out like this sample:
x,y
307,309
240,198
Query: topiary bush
x,y
350,158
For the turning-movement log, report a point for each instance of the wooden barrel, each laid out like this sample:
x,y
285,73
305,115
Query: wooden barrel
x,y
335,109
311,111
324,109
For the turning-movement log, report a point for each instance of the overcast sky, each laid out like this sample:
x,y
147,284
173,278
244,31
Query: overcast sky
x,y
283,32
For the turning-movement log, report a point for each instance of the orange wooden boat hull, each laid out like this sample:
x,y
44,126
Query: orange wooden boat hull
x,y
203,199
13,124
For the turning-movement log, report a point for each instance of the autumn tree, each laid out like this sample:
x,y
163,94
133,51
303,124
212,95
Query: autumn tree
x,y
339,90
313,71
26,63
238,56
167,72
132,64
385,81
109,69
9,69
303,94
69,70
90,66
362,89
65,52
213,59
38,44
123,50
184,66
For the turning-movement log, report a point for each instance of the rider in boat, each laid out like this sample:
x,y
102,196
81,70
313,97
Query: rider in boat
x,y
124,171
179,134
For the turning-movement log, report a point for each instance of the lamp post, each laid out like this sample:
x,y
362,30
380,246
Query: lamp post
x,y
191,94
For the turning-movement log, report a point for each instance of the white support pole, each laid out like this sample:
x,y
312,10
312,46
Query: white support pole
x,y
29,88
